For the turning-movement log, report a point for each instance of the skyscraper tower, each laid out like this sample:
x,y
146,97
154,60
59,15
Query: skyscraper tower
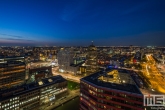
x,y
92,58
130,48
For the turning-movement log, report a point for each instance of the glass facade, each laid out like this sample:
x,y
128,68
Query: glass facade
x,y
52,92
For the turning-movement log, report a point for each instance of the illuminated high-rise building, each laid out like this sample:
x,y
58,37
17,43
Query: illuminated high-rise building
x,y
91,58
12,71
65,58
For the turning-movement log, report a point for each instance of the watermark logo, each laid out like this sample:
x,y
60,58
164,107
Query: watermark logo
x,y
154,100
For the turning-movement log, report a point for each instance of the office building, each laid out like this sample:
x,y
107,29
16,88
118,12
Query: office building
x,y
65,59
91,59
33,95
110,90
12,71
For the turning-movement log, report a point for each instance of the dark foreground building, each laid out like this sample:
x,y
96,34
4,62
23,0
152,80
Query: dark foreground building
x,y
36,94
12,71
110,90
35,74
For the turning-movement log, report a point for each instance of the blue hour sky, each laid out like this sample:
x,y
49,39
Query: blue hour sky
x,y
78,22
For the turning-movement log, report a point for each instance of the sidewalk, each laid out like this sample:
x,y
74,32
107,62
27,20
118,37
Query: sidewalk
x,y
60,102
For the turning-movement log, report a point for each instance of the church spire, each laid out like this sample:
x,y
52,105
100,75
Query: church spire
x,y
92,42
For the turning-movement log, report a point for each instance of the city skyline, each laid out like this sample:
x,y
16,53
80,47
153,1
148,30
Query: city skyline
x,y
77,23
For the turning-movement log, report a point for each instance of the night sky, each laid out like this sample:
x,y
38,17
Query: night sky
x,y
78,22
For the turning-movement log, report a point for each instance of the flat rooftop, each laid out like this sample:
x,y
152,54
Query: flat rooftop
x,y
10,57
39,67
18,90
117,79
79,64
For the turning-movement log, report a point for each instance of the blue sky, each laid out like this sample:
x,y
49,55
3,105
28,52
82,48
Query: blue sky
x,y
78,22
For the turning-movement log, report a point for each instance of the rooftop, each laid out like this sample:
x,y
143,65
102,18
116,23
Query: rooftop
x,y
18,90
118,79
79,64
10,57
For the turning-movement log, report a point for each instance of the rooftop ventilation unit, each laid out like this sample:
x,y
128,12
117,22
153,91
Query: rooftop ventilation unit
x,y
40,83
50,80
